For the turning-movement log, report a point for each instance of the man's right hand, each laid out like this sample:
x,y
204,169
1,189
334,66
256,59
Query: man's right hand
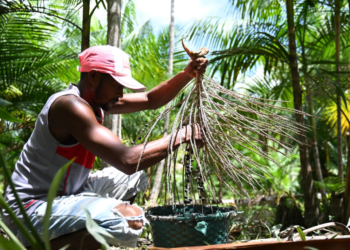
x,y
193,131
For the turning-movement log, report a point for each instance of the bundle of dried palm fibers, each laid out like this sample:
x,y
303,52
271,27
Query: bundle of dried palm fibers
x,y
228,119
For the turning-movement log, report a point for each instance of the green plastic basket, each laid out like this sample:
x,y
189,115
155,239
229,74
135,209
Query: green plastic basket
x,y
174,227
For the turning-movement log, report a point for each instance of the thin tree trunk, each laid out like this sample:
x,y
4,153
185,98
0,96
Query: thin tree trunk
x,y
85,33
347,189
310,200
314,142
114,32
327,154
312,119
113,122
158,178
337,23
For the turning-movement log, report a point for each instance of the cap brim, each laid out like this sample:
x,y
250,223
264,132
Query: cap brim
x,y
129,82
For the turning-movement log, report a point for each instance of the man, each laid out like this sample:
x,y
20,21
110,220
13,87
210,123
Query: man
x,y
70,126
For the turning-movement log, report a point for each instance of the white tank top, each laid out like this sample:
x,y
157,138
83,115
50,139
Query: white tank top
x,y
42,156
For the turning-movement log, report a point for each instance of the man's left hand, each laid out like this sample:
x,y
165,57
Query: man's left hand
x,y
196,67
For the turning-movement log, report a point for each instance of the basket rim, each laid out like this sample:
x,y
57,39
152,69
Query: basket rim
x,y
191,217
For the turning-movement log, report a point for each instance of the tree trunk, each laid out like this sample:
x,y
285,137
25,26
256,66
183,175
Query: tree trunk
x,y
318,169
114,32
347,189
310,200
337,23
113,122
85,33
158,178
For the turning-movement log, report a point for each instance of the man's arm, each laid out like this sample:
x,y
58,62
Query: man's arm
x,y
78,119
161,94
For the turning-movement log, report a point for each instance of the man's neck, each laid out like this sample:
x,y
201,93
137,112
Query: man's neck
x,y
87,94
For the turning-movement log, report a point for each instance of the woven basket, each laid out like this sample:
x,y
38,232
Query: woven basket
x,y
171,227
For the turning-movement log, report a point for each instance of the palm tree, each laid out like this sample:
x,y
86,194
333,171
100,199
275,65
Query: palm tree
x,y
263,39
311,204
33,66
337,24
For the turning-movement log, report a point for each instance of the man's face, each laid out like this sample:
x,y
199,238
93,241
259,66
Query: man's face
x,y
108,92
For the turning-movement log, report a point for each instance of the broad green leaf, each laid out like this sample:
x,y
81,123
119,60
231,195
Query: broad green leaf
x,y
4,115
12,237
311,248
97,232
50,197
301,234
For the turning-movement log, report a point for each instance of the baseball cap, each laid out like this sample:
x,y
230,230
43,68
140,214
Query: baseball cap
x,y
110,60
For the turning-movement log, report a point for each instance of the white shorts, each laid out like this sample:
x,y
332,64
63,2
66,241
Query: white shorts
x,y
104,190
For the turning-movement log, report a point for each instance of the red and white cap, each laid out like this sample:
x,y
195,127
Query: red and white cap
x,y
110,60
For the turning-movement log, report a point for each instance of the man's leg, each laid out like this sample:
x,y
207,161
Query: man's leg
x,y
112,183
108,182
123,221
83,240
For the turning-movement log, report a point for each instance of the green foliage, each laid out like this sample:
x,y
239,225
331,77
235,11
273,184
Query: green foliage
x,y
33,66
301,234
38,56
331,184
4,115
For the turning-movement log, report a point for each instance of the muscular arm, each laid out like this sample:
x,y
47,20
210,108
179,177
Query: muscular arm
x,y
78,119
161,94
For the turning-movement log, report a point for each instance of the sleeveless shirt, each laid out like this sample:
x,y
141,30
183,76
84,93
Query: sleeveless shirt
x,y
42,156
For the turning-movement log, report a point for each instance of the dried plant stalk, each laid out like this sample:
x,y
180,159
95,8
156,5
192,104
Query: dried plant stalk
x,y
227,118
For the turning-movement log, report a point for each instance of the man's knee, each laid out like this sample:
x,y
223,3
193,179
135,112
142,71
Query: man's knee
x,y
131,211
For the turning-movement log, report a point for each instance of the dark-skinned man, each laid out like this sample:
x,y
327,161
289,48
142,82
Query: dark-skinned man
x,y
70,126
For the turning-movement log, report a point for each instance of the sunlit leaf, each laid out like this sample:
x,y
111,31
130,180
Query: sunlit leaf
x,y
7,116
301,234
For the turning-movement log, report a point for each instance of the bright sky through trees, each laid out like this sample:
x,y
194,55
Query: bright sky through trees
x,y
185,11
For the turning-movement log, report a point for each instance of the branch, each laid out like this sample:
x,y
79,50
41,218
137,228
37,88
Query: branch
x,y
92,12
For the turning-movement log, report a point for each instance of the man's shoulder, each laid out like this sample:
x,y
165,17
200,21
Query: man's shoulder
x,y
70,102
67,105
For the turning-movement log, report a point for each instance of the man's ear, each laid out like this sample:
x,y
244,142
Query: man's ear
x,y
94,78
